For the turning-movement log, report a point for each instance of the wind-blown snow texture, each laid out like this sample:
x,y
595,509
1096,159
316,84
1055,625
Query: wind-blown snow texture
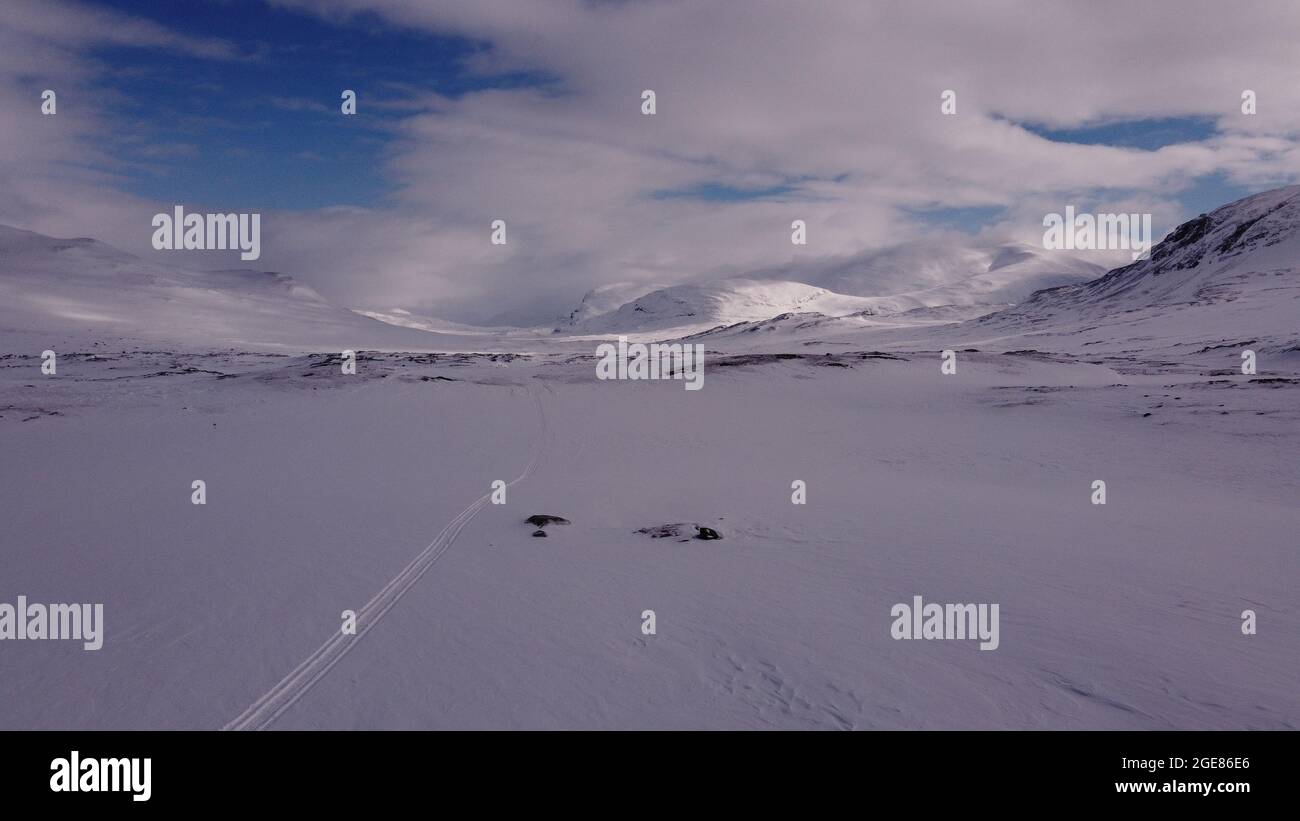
x,y
326,492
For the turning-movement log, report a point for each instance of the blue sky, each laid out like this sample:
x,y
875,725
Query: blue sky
x,y
1205,194
1147,134
266,131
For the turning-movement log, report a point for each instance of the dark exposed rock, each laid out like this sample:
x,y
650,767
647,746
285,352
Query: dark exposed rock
x,y
681,531
540,520
541,533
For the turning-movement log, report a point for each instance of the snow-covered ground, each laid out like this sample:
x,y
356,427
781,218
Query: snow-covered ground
x,y
968,488
369,492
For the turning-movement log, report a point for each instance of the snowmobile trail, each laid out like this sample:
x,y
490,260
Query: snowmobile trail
x,y
262,713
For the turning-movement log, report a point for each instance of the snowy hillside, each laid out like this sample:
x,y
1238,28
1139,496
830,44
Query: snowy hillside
x,y
696,307
893,281
945,271
605,299
50,287
1230,277
405,319
1217,285
797,330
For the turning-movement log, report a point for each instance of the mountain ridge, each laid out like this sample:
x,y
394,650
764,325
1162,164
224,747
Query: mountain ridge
x,y
55,287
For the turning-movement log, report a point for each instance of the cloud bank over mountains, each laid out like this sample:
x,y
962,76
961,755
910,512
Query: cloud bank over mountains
x,y
829,113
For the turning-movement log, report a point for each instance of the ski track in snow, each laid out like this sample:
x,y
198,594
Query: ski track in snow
x,y
262,713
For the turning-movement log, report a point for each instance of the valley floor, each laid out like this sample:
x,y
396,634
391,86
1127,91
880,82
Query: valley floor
x,y
975,487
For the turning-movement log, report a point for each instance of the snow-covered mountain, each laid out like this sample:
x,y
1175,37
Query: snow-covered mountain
x,y
798,330
51,287
405,319
1228,279
1217,285
947,271
893,281
694,307
1225,278
605,299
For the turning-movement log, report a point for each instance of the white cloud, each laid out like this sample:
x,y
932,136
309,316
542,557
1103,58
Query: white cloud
x,y
840,100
